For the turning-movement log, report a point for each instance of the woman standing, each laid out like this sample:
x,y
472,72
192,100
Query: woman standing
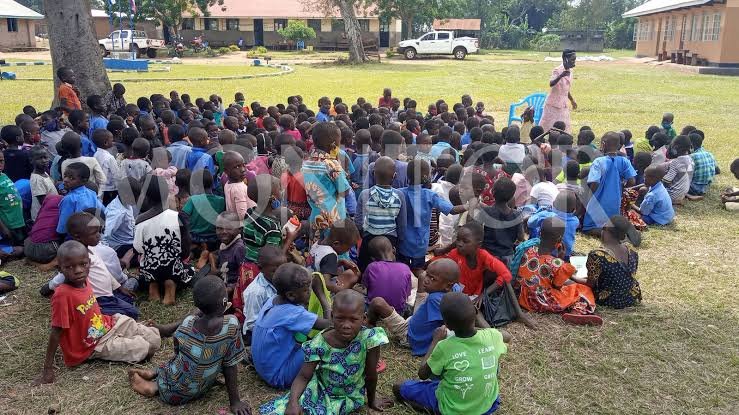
x,y
555,107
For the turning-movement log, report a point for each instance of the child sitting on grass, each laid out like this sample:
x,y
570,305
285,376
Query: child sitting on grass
x,y
730,196
120,220
276,353
103,139
236,192
78,198
384,277
415,332
547,284
72,146
82,330
261,289
680,171
137,166
641,161
656,207
162,239
205,346
466,365
232,251
340,366
182,180
202,209
612,267
704,167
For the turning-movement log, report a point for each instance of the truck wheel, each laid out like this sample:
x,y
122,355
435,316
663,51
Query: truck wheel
x,y
135,50
104,51
410,54
460,53
151,53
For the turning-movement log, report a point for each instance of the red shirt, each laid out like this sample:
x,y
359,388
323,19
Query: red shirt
x,y
472,279
70,94
387,103
294,187
78,314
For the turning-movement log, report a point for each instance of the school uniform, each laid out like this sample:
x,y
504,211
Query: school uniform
x,y
656,208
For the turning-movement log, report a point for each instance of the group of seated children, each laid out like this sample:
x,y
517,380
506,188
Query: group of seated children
x,y
308,239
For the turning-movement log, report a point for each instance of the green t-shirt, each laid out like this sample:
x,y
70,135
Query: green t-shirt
x,y
203,209
11,205
468,368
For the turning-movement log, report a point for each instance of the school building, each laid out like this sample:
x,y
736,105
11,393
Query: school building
x,y
17,26
257,22
690,32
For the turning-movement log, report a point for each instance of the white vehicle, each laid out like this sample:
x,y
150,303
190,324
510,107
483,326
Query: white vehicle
x,y
439,43
130,41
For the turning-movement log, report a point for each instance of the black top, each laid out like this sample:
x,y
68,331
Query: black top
x,y
501,231
18,164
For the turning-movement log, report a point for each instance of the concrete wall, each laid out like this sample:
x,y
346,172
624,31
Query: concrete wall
x,y
222,37
723,51
25,37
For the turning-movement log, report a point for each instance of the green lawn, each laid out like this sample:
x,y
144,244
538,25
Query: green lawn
x,y
676,353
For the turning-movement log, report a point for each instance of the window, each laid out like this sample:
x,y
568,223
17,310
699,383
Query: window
x,y
707,27
232,24
115,35
337,25
315,24
188,24
430,36
695,28
138,34
364,25
641,31
669,28
12,24
280,24
683,28
716,26
442,36
210,24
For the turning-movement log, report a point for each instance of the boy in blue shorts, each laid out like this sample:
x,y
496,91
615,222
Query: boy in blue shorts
x,y
466,365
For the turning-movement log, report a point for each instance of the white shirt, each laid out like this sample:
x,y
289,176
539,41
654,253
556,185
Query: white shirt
x,y
110,168
544,193
447,223
512,153
100,278
255,295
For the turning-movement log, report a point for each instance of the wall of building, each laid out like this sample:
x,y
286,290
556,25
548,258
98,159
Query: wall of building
x,y
272,38
25,37
721,51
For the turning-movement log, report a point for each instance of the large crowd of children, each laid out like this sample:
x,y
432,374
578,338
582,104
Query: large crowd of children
x,y
309,239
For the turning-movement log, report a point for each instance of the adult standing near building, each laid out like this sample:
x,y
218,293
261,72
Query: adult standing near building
x,y
555,107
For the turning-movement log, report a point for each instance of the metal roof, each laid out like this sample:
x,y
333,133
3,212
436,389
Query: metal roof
x,y
457,24
659,6
11,9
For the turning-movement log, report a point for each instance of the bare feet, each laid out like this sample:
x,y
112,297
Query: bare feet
x,y
154,295
142,386
170,287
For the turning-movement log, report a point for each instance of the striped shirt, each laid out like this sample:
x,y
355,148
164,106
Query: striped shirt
x,y
679,175
381,211
704,166
259,230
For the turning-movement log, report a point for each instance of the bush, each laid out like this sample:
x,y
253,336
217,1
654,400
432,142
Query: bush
x,y
546,43
223,51
389,53
234,48
620,34
257,51
297,30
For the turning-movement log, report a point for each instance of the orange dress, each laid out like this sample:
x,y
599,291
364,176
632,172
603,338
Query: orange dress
x,y
69,93
542,286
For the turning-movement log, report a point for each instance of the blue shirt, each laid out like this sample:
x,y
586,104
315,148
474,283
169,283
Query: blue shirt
x,y
414,239
75,201
571,224
399,181
439,148
180,151
97,123
277,355
424,321
119,224
361,167
199,159
88,148
608,172
466,139
657,205
321,117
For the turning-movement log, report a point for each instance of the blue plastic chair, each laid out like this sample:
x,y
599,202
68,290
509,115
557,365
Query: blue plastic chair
x,y
535,101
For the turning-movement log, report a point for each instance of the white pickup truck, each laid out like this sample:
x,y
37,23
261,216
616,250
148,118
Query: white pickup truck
x,y
130,41
439,43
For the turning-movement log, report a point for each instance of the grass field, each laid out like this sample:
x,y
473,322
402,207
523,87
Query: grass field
x,y
677,353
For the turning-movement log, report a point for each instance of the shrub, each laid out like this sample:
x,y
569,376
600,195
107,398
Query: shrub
x,y
389,53
234,48
546,43
297,30
223,51
257,51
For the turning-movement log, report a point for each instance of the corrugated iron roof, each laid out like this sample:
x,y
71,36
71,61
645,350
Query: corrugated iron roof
x,y
11,9
659,6
457,24
277,9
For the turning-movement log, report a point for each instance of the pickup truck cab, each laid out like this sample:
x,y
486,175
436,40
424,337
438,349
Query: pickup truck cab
x,y
439,43
132,41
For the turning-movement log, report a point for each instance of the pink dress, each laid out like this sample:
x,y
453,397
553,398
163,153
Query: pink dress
x,y
169,175
555,107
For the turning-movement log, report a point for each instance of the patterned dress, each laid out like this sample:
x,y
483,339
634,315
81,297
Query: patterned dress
x,y
543,288
324,180
198,360
337,386
159,242
613,282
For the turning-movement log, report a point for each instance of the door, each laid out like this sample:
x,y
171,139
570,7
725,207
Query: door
x,y
443,43
258,32
125,39
427,43
384,33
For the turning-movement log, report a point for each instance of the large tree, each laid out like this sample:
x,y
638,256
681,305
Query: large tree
x,y
347,8
73,45
170,13
411,12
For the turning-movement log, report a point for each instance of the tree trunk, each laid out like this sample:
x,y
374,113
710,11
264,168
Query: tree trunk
x,y
73,45
353,32
409,26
